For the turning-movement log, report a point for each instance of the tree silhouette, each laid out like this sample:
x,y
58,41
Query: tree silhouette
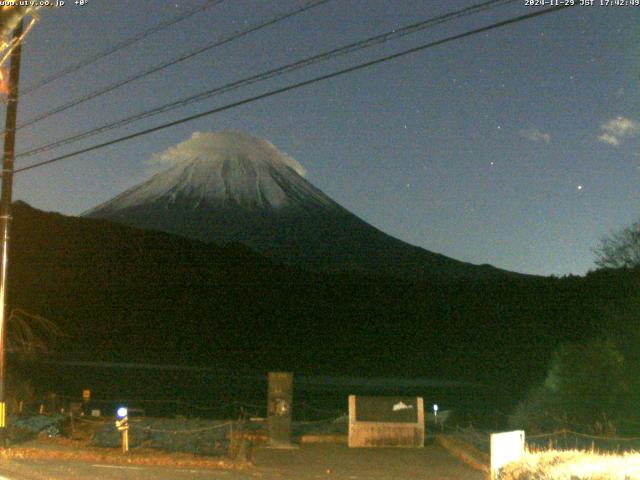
x,y
619,249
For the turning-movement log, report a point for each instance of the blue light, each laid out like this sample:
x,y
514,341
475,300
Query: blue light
x,y
122,412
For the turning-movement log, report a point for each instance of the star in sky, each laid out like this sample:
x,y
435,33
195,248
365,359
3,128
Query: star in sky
x,y
454,96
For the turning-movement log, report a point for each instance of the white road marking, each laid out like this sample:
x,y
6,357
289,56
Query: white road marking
x,y
117,466
124,467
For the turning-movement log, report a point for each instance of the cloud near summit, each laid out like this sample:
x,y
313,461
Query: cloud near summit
x,y
219,145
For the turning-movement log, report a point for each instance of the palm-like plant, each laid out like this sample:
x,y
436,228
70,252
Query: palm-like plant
x,y
28,333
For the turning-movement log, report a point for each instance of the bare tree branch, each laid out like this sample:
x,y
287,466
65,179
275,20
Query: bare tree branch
x,y
620,249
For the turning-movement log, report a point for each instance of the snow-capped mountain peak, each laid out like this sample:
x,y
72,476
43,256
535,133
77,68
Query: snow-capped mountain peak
x,y
233,187
228,169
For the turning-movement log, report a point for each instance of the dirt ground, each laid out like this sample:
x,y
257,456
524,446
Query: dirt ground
x,y
74,459
331,461
314,461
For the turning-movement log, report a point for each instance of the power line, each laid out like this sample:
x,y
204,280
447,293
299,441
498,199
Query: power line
x,y
119,46
295,86
172,62
275,72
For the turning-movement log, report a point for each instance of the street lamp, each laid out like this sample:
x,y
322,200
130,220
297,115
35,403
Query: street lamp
x,y
122,424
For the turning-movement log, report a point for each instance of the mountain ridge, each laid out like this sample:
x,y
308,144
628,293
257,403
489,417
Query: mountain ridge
x,y
123,294
233,187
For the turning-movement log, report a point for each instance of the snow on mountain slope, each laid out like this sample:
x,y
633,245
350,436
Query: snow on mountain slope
x,y
229,169
233,187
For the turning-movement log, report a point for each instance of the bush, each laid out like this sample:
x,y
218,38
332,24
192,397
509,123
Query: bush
x,y
584,389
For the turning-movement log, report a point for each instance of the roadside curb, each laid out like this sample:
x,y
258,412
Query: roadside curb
x,y
464,452
112,458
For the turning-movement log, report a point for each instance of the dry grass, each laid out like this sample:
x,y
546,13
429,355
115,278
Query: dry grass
x,y
574,465
146,457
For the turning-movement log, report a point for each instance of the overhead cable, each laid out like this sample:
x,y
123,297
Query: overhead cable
x,y
169,63
119,46
297,85
275,72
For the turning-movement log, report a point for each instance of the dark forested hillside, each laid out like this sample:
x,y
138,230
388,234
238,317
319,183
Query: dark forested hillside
x,y
131,295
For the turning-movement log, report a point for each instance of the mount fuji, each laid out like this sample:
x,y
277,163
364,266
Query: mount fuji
x,y
233,187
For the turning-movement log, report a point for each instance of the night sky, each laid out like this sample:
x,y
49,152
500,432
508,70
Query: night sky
x,y
519,147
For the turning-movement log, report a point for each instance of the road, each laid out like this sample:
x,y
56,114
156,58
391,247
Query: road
x,y
325,461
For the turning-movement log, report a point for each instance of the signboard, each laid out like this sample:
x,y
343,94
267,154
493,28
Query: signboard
x,y
387,409
279,401
122,419
386,421
505,448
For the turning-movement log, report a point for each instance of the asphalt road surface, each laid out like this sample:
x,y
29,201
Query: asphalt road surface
x,y
325,461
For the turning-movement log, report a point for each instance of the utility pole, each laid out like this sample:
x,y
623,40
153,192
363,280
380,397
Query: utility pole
x,y
5,209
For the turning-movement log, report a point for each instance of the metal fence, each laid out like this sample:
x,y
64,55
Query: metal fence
x,y
558,440
155,407
570,440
